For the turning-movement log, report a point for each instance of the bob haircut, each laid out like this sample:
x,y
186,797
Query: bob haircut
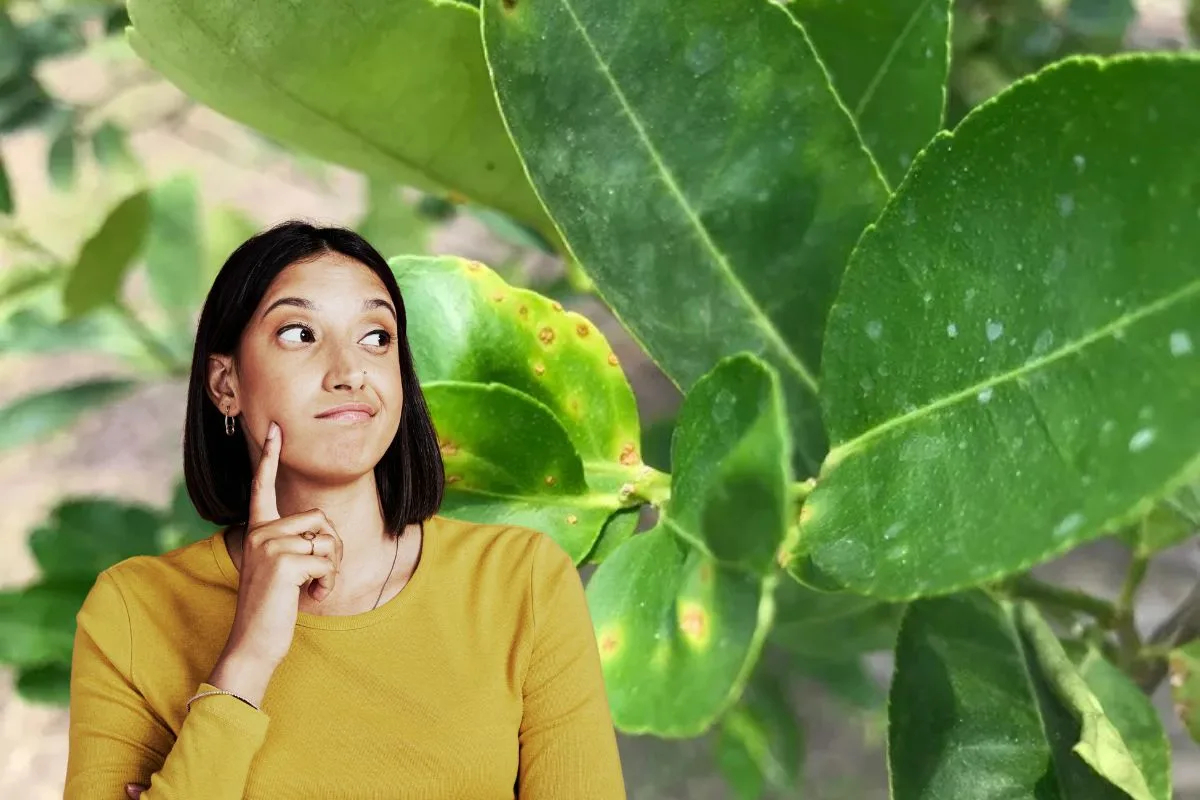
x,y
216,467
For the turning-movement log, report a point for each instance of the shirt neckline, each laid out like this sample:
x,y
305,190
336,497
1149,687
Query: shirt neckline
x,y
345,622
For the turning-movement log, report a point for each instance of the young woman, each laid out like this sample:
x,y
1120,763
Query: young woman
x,y
337,638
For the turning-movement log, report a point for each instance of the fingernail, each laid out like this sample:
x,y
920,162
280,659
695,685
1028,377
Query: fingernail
x,y
272,430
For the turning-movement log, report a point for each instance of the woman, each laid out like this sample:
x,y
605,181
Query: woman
x,y
337,637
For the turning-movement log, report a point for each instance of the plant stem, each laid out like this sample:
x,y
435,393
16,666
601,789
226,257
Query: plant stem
x,y
1030,588
151,342
651,486
1126,628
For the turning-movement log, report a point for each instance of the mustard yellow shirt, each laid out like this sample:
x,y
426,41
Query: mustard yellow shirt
x,y
480,679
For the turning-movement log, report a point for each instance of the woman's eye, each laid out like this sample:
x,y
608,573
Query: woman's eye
x,y
378,338
297,334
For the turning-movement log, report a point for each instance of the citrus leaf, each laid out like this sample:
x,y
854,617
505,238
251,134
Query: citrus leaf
x,y
111,146
96,277
466,324
507,459
760,742
37,622
714,205
681,611
61,157
888,62
1032,257
174,252
421,111
985,703
391,224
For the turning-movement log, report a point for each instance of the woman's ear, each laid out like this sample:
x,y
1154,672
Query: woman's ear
x,y
222,384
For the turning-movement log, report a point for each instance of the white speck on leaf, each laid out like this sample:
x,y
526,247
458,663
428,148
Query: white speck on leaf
x,y
1069,524
1066,204
994,330
898,553
893,530
1043,343
928,296
952,330
1181,343
1145,412
1020,266
985,395
875,329
929,52
1080,162
1141,440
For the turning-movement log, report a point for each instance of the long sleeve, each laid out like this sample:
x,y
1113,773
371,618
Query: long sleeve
x,y
116,737
568,747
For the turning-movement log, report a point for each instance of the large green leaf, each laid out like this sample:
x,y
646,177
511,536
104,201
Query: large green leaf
x,y
985,704
397,90
466,324
41,414
681,611
703,173
60,158
85,536
508,459
37,623
888,62
1011,367
106,256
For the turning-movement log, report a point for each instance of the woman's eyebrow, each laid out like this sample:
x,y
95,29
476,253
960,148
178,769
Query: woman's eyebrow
x,y
300,302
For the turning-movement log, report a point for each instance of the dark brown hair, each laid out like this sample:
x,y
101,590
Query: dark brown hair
x,y
216,467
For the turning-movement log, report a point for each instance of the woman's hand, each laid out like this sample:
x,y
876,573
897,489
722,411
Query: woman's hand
x,y
276,563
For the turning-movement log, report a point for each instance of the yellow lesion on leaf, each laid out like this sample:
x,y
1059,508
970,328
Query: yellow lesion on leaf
x,y
608,640
612,359
582,329
551,480
694,623
629,455
539,368
546,334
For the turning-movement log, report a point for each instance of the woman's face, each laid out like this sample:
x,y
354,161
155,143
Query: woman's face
x,y
319,358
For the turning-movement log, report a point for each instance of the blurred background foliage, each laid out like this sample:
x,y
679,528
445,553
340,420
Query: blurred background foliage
x,y
125,281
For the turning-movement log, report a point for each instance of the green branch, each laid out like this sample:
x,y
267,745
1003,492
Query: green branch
x,y
1027,587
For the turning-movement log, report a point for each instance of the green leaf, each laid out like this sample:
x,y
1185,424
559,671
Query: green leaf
x,y
1028,259
465,324
104,259
23,104
85,536
714,205
760,743
394,226
61,157
508,459
889,63
1133,715
985,703
49,684
681,611
6,194
40,414
413,105
1165,526
1184,665
174,252
55,34
111,146
37,623
821,625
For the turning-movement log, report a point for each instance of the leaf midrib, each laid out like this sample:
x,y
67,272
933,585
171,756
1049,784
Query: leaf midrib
x,y
702,233
847,448
877,78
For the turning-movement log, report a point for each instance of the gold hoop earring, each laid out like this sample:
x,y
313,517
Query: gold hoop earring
x,y
230,425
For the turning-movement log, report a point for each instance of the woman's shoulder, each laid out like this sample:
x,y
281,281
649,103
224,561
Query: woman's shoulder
x,y
501,546
149,577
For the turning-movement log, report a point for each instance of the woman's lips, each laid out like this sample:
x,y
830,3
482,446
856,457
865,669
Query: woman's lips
x,y
348,412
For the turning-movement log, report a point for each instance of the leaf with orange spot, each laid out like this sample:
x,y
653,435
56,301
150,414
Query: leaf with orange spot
x,y
681,611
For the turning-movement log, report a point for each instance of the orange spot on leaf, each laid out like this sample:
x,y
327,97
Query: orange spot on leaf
x,y
546,334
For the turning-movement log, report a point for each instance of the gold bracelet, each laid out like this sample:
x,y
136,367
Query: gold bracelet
x,y
220,691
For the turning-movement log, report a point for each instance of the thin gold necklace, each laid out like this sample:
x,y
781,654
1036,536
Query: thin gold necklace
x,y
390,571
